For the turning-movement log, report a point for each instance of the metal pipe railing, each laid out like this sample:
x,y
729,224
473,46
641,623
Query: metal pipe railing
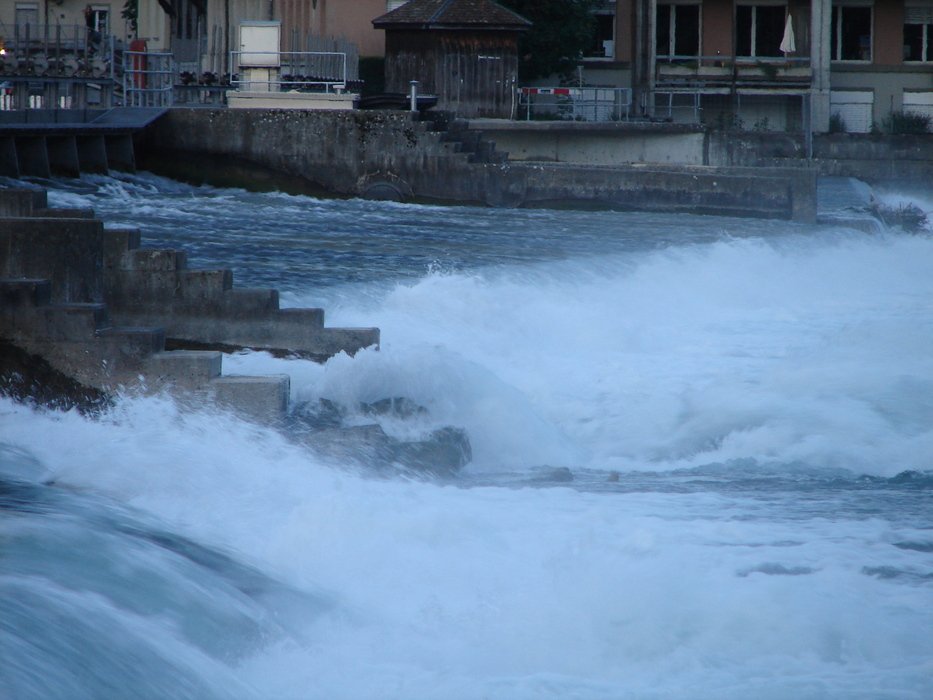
x,y
299,70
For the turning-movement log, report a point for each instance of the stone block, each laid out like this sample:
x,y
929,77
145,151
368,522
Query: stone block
x,y
306,318
259,398
117,243
62,213
20,202
25,292
65,322
204,287
69,252
131,348
240,303
152,260
185,369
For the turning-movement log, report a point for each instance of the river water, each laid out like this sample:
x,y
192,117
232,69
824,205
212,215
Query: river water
x,y
701,469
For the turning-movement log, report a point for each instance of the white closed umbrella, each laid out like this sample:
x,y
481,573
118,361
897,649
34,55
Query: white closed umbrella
x,y
788,43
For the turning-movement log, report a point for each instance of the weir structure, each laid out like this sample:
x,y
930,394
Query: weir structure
x,y
114,316
46,142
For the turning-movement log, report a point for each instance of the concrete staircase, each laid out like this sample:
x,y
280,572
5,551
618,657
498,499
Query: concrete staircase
x,y
457,132
99,308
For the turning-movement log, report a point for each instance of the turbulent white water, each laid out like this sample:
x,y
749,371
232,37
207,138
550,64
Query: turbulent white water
x,y
746,409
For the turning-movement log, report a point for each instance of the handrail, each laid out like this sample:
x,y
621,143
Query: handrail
x,y
297,69
586,103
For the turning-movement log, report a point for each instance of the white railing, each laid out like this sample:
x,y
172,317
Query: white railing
x,y
303,71
593,104
148,79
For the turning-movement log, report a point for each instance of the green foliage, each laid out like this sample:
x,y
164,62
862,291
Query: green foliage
x,y
904,122
561,31
837,125
131,14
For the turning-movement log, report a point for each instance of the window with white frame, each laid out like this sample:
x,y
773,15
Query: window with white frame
x,y
759,29
918,33
678,30
850,36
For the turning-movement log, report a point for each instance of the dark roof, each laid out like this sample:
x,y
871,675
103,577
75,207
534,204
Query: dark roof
x,y
451,14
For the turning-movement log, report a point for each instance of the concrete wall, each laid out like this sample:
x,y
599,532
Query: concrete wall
x,y
595,143
871,158
351,152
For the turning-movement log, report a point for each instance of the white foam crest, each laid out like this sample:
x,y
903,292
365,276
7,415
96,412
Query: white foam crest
x,y
503,593
797,349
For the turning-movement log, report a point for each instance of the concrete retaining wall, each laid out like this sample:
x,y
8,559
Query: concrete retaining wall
x,y
351,153
606,144
872,158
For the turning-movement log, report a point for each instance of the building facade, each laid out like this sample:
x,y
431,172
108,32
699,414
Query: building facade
x,y
774,64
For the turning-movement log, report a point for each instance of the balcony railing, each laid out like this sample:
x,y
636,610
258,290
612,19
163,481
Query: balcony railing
x,y
728,72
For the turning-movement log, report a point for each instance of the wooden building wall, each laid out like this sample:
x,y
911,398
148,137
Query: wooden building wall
x,y
473,73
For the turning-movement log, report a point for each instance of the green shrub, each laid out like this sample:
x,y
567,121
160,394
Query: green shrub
x,y
837,125
904,122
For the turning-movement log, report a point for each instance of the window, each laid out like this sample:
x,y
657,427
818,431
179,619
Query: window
x,y
96,16
918,33
27,15
604,34
678,30
759,29
851,33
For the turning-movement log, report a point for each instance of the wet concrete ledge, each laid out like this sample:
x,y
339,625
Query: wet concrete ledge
x,y
365,153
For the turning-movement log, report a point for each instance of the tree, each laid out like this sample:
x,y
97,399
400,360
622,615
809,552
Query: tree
x,y
131,14
561,31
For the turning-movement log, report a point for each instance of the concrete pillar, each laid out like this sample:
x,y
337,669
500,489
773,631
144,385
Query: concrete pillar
x,y
9,167
120,153
92,154
33,156
820,29
63,156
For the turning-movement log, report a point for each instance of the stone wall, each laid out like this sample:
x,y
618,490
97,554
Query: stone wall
x,y
358,153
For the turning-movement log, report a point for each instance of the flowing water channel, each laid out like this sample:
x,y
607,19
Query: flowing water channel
x,y
701,469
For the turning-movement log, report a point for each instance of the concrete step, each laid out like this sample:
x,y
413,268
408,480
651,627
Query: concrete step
x,y
203,286
132,347
262,398
66,322
184,369
117,243
251,302
155,260
21,201
63,213
25,293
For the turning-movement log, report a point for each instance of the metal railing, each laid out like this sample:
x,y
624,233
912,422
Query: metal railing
x,y
595,104
727,70
148,79
302,71
669,104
